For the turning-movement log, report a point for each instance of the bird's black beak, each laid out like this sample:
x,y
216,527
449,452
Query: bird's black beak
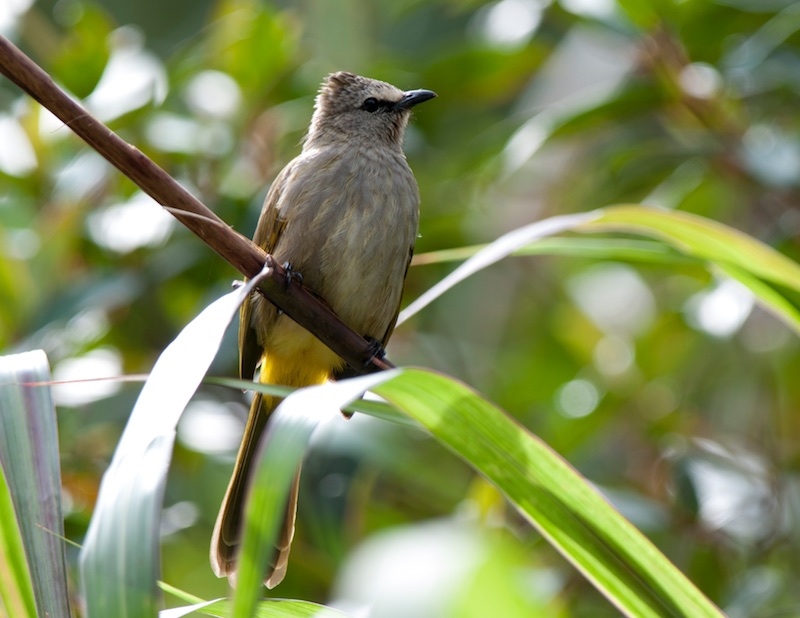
x,y
414,97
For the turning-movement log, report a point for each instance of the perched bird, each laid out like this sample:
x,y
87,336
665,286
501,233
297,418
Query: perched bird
x,y
344,215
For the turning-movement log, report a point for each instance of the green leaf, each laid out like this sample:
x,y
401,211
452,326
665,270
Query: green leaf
x,y
600,249
703,238
748,260
280,453
268,608
563,506
770,298
740,256
504,246
82,54
252,43
120,557
16,588
30,462
644,14
271,608
378,409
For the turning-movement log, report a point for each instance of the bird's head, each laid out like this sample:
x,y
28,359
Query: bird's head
x,y
362,110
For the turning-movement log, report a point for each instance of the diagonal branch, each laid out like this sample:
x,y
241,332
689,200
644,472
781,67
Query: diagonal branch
x,y
297,302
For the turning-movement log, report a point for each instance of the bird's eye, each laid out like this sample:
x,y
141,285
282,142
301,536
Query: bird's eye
x,y
371,105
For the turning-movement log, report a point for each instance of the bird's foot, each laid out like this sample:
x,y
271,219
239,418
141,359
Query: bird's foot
x,y
291,273
375,351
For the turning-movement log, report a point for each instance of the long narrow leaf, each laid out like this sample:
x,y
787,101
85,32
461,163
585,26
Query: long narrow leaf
x,y
223,608
30,461
119,560
695,236
562,505
270,608
770,299
280,453
16,588
496,251
701,237
375,408
649,251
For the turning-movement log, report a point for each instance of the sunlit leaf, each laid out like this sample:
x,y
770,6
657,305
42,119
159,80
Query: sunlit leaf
x,y
267,608
496,251
703,238
120,557
562,505
695,236
30,459
16,589
598,248
752,262
84,52
280,453
263,609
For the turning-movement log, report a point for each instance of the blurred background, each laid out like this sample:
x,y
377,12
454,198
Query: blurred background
x,y
662,383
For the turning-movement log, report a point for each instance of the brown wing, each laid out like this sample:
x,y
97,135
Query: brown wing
x,y
269,228
349,372
392,324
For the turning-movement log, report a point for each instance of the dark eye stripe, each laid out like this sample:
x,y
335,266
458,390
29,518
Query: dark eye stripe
x,y
373,105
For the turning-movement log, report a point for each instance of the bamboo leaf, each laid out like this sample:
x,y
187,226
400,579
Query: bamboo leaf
x,y
30,462
280,452
120,557
496,251
733,252
562,505
704,238
16,588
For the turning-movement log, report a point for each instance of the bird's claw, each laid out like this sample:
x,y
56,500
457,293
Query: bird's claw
x,y
375,350
291,273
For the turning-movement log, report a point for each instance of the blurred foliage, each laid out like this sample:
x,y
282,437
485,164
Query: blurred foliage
x,y
664,384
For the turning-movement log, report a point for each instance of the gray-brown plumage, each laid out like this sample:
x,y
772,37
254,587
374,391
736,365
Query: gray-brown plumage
x,y
344,214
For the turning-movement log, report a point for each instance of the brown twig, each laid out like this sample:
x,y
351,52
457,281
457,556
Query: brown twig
x,y
297,302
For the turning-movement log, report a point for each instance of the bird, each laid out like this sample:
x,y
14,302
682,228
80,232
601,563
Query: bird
x,y
343,215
